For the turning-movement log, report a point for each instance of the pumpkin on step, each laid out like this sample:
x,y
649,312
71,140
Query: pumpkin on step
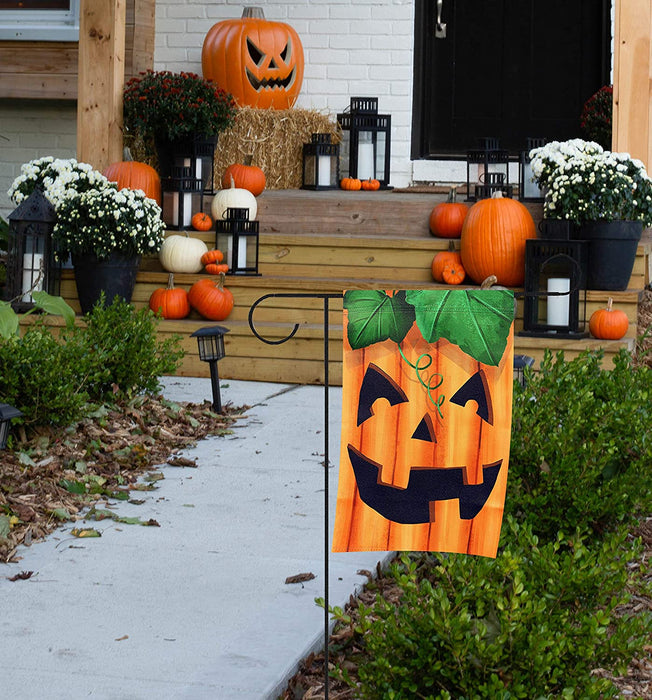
x,y
211,299
201,221
447,218
350,183
171,302
609,323
233,198
181,253
453,273
493,240
370,185
246,176
443,258
134,175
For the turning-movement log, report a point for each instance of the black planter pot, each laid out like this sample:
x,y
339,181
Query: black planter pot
x,y
612,251
115,276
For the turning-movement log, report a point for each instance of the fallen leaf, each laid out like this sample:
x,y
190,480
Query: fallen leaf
x,y
121,639
22,576
85,532
299,578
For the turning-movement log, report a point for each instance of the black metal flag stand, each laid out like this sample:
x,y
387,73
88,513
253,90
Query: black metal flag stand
x,y
325,298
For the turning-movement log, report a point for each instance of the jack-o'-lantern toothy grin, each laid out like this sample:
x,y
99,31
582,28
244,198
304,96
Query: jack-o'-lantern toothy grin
x,y
270,83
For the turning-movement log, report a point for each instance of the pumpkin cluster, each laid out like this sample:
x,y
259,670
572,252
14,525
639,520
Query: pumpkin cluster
x,y
207,296
354,184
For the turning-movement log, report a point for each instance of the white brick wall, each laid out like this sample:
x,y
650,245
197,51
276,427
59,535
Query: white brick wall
x,y
351,48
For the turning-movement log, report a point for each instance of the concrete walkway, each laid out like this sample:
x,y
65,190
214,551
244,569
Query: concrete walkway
x,y
197,608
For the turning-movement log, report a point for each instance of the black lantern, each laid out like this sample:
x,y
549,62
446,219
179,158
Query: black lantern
x,y
196,156
366,141
321,169
555,288
210,342
529,191
7,414
237,237
30,254
182,196
487,170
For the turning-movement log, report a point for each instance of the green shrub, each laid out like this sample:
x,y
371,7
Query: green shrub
x,y
40,377
581,445
533,623
119,352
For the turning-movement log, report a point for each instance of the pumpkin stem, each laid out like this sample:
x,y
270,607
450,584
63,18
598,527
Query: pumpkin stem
x,y
610,302
451,246
248,159
452,194
498,194
220,282
171,281
489,282
255,12
232,183
126,154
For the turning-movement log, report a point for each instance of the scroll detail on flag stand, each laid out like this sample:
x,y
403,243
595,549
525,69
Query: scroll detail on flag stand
x,y
426,420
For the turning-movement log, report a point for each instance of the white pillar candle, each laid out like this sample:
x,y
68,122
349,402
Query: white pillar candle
x,y
323,170
198,169
365,160
242,252
558,306
187,209
32,266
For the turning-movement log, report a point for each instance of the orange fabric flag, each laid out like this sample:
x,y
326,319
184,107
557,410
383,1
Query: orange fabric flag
x,y
426,420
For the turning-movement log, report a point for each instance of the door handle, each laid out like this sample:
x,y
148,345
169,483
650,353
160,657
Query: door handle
x,y
440,27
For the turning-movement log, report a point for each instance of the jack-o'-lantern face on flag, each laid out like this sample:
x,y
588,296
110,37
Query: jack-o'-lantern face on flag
x,y
426,420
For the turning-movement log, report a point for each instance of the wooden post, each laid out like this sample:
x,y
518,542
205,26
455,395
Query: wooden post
x,y
632,116
101,81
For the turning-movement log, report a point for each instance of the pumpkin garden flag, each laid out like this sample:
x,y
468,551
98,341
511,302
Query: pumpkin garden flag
x,y
426,420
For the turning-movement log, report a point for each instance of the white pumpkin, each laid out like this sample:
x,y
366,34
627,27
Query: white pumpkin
x,y
182,254
233,198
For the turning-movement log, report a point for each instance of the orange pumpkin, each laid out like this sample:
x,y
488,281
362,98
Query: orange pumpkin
x,y
443,258
134,175
371,185
493,240
423,467
171,302
447,218
453,273
609,323
201,221
350,183
258,61
211,299
245,176
212,256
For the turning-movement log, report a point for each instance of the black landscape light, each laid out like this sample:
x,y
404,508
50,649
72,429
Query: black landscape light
x,y
210,341
7,414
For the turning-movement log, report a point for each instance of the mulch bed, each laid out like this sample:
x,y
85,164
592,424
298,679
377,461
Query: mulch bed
x,y
51,476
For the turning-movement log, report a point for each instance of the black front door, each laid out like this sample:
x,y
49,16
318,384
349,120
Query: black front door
x,y
509,69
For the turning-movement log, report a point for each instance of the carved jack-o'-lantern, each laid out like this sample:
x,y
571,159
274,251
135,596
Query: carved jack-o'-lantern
x,y
426,420
258,61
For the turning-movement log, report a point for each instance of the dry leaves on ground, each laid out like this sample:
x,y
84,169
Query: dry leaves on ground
x,y
52,476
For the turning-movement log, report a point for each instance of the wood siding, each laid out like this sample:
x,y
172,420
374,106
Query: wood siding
x,y
48,69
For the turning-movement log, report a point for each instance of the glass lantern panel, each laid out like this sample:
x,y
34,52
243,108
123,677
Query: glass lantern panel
x,y
366,157
310,173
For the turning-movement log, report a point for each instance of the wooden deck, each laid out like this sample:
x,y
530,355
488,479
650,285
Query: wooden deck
x,y
327,242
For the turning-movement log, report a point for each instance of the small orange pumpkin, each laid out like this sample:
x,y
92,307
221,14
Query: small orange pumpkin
x,y
350,183
171,302
443,258
211,299
212,256
371,185
609,323
216,268
246,176
453,273
134,175
201,221
447,218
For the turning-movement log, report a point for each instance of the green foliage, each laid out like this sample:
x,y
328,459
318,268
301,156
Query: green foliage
x,y
40,377
54,381
532,623
581,445
119,351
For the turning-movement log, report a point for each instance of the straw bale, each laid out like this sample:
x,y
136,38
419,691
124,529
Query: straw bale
x,y
274,138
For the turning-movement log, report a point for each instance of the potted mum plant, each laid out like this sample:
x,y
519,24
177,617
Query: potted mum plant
x,y
103,230
182,112
606,195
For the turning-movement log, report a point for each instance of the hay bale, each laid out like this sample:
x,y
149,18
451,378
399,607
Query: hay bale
x,y
275,139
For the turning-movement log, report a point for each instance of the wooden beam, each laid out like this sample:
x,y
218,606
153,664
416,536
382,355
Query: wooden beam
x,y
101,81
632,117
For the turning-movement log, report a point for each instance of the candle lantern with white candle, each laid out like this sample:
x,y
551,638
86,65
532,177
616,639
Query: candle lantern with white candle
x,y
320,163
555,288
366,139
237,237
30,256
487,170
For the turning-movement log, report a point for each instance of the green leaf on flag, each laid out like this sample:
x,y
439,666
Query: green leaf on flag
x,y
375,316
478,321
